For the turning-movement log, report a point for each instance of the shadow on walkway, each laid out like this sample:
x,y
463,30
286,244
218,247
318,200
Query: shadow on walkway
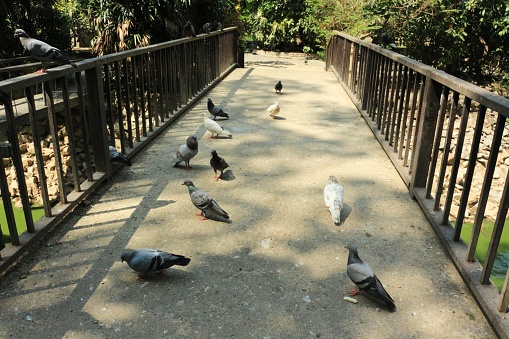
x,y
279,270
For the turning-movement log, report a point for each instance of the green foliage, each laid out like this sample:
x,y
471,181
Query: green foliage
x,y
41,19
466,37
295,25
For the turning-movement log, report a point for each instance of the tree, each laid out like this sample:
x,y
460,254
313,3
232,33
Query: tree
x,y
464,38
41,19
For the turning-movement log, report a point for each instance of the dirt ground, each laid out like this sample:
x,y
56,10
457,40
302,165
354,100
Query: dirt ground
x,y
277,271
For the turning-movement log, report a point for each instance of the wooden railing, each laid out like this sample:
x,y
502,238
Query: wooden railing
x,y
123,99
431,124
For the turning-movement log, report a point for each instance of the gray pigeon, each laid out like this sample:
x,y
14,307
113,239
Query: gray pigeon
x,y
116,156
188,30
187,151
207,28
278,87
41,51
367,282
204,202
333,194
216,111
146,260
218,164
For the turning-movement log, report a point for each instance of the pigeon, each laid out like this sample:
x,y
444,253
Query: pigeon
x,y
274,110
217,26
278,87
146,260
333,195
207,28
204,202
116,156
367,282
383,39
188,30
41,51
187,151
216,111
218,164
214,128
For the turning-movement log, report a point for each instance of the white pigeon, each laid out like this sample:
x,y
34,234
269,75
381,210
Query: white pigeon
x,y
333,194
274,110
214,128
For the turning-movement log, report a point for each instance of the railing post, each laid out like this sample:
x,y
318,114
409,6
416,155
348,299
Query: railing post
x,y
425,134
239,49
368,84
97,119
6,152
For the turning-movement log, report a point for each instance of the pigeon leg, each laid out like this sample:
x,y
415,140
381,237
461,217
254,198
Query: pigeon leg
x,y
354,292
41,71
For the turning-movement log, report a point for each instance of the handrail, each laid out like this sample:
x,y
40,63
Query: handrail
x,y
124,99
431,125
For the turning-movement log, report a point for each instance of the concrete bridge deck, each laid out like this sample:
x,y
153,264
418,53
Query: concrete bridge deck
x,y
279,270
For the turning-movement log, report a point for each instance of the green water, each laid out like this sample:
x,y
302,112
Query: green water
x,y
37,213
502,259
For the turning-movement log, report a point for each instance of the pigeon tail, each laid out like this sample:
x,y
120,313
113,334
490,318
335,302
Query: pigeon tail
x,y
379,295
181,260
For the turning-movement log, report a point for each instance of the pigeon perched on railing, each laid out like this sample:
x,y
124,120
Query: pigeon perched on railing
x,y
274,110
116,156
207,27
188,30
278,87
214,128
367,282
333,194
146,260
187,151
217,26
41,51
218,164
216,111
204,202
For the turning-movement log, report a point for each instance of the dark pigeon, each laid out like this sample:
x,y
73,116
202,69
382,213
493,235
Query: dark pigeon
x,y
383,39
187,151
146,260
218,164
278,87
204,202
116,156
217,26
207,28
42,51
188,30
367,282
216,111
